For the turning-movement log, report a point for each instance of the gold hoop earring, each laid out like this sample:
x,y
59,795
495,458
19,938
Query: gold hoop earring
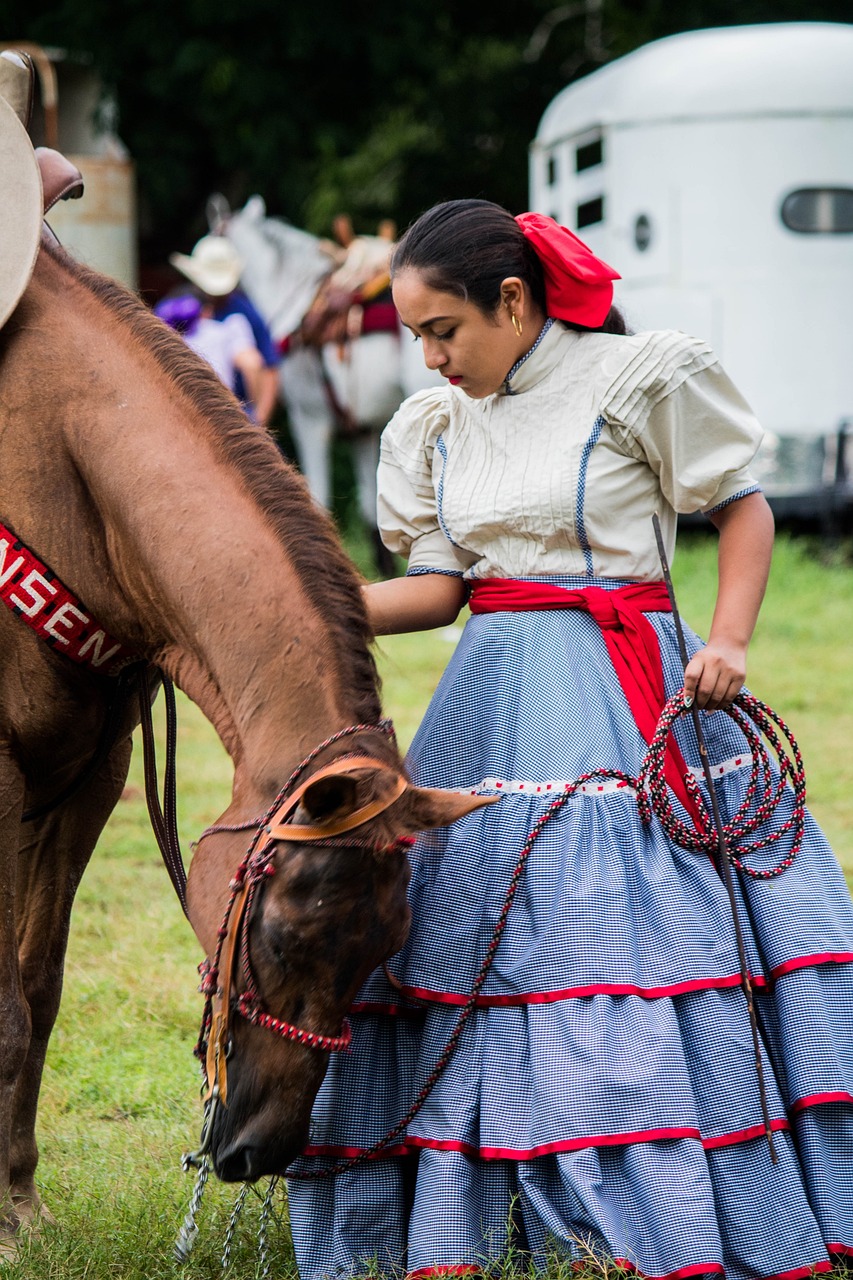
x,y
516,324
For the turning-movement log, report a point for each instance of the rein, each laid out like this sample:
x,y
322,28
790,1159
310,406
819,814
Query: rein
x,y
163,818
754,718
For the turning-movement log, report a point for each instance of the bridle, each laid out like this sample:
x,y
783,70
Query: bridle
x,y
228,982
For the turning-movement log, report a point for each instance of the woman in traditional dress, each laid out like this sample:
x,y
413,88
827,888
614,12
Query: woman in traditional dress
x,y
603,1095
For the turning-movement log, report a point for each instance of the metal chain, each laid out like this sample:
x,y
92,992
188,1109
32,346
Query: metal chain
x,y
189,1228
232,1226
263,1228
188,1233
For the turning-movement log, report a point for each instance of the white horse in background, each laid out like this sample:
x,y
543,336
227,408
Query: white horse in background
x,y
367,377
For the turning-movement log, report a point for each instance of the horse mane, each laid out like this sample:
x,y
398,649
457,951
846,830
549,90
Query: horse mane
x,y
307,533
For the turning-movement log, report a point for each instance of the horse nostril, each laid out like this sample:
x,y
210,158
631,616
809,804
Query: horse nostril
x,y
237,1163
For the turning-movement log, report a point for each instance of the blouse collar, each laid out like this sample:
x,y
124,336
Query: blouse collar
x,y
546,352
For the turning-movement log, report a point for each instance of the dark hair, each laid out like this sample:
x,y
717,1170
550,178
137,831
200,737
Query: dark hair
x,y
469,247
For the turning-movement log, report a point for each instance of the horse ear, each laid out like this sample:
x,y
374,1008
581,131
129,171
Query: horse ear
x,y
329,798
218,212
421,808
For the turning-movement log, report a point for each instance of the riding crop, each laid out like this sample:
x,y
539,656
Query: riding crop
x,y
723,859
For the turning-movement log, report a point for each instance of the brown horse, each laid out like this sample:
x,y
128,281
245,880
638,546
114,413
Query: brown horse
x,y
133,474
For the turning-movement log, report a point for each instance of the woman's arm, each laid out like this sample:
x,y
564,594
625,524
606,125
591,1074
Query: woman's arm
x,y
716,673
414,604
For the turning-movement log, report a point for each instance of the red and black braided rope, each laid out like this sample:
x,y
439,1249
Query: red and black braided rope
x,y
652,800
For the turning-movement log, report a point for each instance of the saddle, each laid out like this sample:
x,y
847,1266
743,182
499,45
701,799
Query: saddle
x,y
31,181
345,298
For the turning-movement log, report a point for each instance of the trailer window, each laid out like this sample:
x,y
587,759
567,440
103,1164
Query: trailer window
x,y
589,154
590,212
552,170
819,210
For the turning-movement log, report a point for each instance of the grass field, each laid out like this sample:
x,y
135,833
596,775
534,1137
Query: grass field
x,y
120,1097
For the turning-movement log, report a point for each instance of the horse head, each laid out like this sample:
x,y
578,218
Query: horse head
x,y
313,908
283,267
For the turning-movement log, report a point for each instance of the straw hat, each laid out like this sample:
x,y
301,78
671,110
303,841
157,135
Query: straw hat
x,y
214,265
21,204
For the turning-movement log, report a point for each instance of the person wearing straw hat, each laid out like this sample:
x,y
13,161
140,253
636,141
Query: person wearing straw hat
x,y
214,267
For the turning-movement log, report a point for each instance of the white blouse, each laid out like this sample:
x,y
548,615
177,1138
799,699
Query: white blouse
x,y
561,470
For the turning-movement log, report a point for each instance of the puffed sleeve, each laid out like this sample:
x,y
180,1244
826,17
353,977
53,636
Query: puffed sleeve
x,y
675,407
407,505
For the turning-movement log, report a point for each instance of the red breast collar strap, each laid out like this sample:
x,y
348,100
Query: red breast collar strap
x,y
33,591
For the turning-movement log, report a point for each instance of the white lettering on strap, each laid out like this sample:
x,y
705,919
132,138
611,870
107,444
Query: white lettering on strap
x,y
30,585
67,615
96,642
44,603
7,573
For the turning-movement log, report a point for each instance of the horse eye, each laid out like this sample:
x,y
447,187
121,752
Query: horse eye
x,y
276,947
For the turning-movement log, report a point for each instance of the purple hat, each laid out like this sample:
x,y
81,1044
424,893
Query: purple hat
x,y
181,313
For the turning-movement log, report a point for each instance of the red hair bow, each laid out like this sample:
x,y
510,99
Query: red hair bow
x,y
578,286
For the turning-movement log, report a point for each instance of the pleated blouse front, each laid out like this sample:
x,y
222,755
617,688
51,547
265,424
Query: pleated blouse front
x,y
559,472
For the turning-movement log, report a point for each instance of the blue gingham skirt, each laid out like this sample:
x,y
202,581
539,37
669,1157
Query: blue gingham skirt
x,y
602,1098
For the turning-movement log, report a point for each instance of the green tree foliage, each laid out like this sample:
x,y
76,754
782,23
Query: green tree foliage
x,y
379,108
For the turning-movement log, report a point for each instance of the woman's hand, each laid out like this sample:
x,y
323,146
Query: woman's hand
x,y
716,673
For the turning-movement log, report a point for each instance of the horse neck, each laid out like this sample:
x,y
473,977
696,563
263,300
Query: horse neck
x,y
147,518
301,268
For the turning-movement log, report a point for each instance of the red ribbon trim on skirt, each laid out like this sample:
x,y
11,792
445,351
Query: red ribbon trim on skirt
x,y
631,643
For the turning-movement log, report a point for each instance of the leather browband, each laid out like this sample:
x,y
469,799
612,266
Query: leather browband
x,y
280,829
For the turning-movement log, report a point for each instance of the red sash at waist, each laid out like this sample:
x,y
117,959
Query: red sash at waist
x,y
631,641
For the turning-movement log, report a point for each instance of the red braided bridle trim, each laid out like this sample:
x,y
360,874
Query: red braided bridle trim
x,y
256,865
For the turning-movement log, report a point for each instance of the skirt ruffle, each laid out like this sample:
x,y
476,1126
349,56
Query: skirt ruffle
x,y
602,1097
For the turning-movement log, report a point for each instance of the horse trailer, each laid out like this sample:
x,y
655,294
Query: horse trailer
x,y
714,170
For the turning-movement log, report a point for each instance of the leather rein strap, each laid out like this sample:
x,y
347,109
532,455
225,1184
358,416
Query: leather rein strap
x,y
164,818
